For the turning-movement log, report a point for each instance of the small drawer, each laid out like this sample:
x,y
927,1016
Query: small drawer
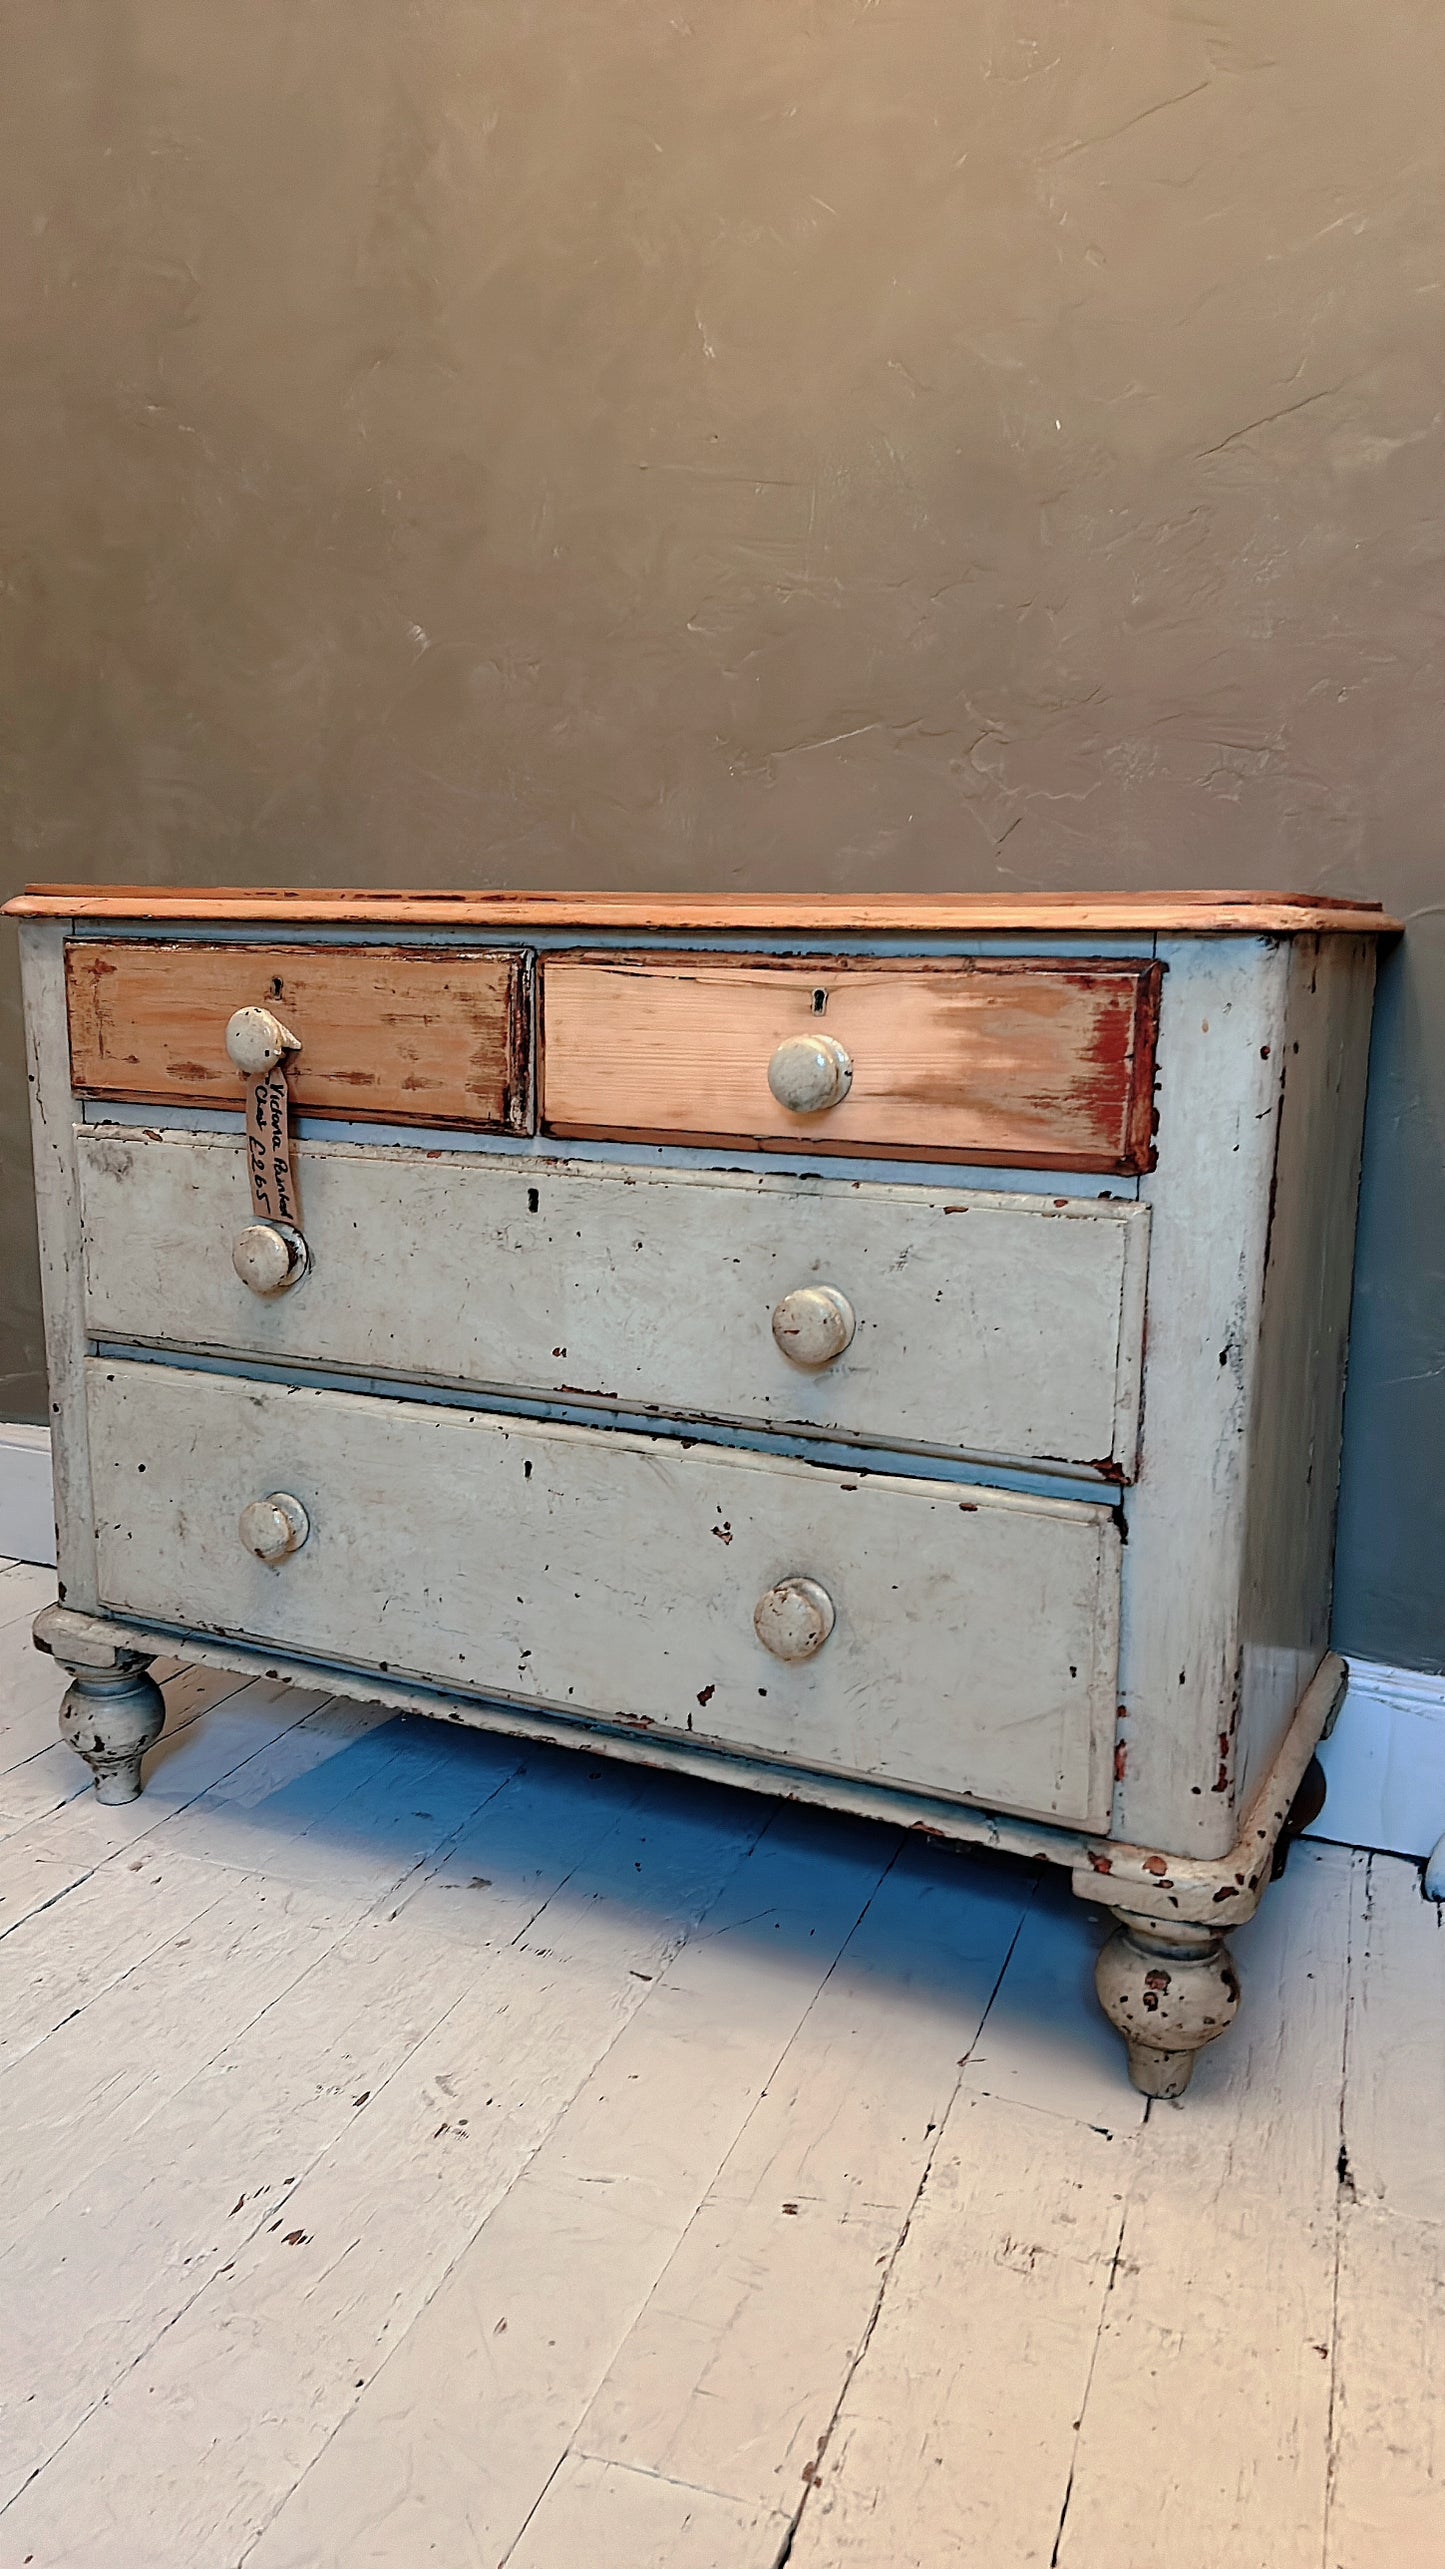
x,y
1004,1327
959,1640
995,1061
400,1035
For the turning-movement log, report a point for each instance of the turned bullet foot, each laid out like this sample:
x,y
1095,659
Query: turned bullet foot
x,y
1168,1990
110,1717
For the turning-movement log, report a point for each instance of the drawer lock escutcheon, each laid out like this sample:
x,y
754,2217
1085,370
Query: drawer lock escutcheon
x,y
810,1073
274,1527
814,1325
794,1619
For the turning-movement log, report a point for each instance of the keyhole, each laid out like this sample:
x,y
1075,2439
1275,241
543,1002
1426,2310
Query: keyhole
x,y
278,990
820,1002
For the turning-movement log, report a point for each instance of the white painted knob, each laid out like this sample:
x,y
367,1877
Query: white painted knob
x,y
794,1619
257,1041
810,1073
814,1325
270,1256
275,1527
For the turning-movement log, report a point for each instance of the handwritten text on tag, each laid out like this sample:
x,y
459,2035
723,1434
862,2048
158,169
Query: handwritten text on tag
x,y
268,1148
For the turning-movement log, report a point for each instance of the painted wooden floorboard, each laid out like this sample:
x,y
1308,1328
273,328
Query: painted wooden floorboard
x,y
31,1687
475,2410
1395,2093
1229,2244
364,2238
95,2294
954,2440
730,2376
1386,2490
1045,2042
84,2099
849,2116
24,1589
417,2147
63,1851
61,1957
1387,2485
613,2518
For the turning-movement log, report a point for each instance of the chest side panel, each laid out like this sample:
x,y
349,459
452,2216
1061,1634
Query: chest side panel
x,y
1180,1676
1303,1338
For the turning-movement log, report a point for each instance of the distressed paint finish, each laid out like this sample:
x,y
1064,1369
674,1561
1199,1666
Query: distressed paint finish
x,y
975,1646
1045,1064
1227,1611
1180,1670
988,1324
53,1111
928,1646
403,1034
1304,1326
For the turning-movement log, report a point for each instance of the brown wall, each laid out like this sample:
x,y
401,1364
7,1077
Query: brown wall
x,y
979,443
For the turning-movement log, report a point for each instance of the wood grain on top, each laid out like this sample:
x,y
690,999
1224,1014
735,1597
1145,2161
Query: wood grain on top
x,y
404,1037
762,913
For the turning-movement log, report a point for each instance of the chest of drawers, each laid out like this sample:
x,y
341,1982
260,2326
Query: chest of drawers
x,y
888,1352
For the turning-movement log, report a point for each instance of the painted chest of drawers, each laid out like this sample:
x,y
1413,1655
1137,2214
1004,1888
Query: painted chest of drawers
x,y
888,1352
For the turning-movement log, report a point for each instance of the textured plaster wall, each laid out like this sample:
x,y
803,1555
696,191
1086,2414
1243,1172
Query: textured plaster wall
x,y
973,443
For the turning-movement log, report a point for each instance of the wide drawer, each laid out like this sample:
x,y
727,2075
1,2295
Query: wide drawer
x,y
1000,1326
403,1035
974,1650
1004,1062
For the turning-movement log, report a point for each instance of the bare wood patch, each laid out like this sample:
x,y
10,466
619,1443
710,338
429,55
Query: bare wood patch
x,y
404,1035
666,913
1034,1064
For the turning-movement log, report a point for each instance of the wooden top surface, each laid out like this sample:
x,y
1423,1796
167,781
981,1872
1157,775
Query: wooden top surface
x,y
770,913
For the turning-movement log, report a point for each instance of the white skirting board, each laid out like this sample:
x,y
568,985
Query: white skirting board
x,y
1385,1760
27,1511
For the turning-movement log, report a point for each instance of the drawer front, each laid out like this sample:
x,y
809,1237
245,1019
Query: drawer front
x,y
1007,1327
973,1651
404,1035
1034,1065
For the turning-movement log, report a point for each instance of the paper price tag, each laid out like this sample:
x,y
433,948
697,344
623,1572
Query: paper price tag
x,y
268,1148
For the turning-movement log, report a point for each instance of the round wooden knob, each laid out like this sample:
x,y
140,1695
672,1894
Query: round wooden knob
x,y
269,1256
275,1527
257,1041
794,1619
810,1073
814,1325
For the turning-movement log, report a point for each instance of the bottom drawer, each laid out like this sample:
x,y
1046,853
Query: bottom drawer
x,y
974,1640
